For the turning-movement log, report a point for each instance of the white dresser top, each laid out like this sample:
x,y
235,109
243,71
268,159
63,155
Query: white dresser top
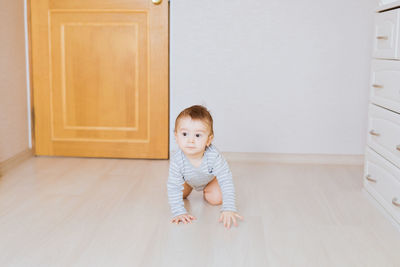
x,y
382,6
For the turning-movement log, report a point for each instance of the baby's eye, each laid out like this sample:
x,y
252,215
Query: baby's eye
x,y
198,135
184,134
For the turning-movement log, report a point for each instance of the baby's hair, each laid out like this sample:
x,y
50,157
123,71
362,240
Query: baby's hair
x,y
196,112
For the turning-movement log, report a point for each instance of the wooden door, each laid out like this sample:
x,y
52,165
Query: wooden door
x,y
100,78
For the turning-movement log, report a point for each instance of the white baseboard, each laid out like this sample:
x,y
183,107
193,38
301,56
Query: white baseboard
x,y
15,160
295,158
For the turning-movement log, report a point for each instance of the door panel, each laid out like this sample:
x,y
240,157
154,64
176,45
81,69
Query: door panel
x,y
100,4
100,78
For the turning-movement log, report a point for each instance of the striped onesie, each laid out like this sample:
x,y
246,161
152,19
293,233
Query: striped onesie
x,y
181,171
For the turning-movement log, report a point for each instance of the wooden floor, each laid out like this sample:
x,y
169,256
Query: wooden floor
x,y
104,212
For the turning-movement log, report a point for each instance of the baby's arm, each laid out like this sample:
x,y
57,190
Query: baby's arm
x,y
225,181
175,193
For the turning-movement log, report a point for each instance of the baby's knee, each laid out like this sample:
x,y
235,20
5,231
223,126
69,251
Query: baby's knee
x,y
214,198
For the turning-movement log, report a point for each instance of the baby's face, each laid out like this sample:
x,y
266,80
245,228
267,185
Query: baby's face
x,y
192,136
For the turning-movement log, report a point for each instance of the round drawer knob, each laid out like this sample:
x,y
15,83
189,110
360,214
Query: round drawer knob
x,y
395,202
368,177
372,132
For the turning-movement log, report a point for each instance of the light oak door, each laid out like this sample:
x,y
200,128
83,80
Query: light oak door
x,y
100,78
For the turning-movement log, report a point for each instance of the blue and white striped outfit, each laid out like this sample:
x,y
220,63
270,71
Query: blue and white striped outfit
x,y
212,164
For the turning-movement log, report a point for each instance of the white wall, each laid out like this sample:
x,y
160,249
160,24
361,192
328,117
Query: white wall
x,y
278,76
13,100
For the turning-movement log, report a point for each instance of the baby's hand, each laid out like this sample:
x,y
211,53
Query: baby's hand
x,y
185,218
226,217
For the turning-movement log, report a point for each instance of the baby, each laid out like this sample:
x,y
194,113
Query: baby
x,y
198,164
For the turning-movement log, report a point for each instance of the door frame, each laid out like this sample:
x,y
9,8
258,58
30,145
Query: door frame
x,y
29,84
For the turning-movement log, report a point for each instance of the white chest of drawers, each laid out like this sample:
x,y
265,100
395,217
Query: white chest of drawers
x,y
382,157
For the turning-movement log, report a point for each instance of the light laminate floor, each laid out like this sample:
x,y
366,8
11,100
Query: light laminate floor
x,y
109,212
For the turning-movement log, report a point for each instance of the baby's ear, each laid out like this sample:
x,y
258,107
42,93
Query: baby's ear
x,y
210,138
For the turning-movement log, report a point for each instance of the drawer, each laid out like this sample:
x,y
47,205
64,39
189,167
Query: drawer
x,y
386,44
381,180
384,133
385,84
